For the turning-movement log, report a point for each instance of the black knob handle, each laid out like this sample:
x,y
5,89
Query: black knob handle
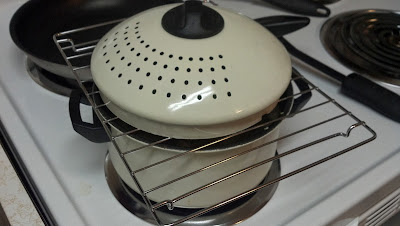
x,y
192,20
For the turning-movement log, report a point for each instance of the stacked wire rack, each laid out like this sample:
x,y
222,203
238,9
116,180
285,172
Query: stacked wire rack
x,y
320,131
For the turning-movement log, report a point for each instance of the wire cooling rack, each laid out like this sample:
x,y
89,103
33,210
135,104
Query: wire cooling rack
x,y
322,122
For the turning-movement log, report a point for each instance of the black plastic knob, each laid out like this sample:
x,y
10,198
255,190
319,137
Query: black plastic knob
x,y
192,20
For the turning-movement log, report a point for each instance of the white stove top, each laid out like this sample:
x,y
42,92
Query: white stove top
x,y
68,169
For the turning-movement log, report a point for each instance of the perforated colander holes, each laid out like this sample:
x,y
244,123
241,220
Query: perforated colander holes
x,y
189,58
199,97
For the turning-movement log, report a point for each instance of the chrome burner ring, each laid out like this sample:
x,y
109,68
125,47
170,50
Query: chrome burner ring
x,y
231,214
49,81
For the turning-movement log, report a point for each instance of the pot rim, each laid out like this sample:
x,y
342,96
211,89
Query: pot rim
x,y
241,138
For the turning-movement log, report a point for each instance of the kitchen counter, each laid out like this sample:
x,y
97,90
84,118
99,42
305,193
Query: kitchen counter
x,y
14,199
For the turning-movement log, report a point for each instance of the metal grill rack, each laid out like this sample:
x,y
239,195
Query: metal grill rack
x,y
301,134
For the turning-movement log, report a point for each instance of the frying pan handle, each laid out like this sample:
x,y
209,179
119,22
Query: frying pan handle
x,y
303,99
304,7
93,132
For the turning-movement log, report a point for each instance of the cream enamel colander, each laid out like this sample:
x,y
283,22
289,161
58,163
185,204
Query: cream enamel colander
x,y
163,74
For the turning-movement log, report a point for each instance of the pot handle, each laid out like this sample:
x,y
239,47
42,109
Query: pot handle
x,y
93,132
303,99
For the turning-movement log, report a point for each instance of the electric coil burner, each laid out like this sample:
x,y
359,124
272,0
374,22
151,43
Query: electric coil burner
x,y
368,41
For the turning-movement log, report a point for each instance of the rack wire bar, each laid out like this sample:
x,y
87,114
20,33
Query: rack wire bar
x,y
65,42
158,205
250,150
79,55
236,134
201,212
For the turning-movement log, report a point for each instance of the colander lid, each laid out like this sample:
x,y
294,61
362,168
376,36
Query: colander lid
x,y
147,71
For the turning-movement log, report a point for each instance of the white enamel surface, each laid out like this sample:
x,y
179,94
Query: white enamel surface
x,y
257,70
168,171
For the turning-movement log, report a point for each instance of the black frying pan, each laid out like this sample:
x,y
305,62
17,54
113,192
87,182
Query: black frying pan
x,y
34,24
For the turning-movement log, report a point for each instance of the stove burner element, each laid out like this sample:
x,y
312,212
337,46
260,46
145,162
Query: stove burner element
x,y
229,214
52,82
368,41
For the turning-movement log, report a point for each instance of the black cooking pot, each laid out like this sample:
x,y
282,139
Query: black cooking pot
x,y
96,133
